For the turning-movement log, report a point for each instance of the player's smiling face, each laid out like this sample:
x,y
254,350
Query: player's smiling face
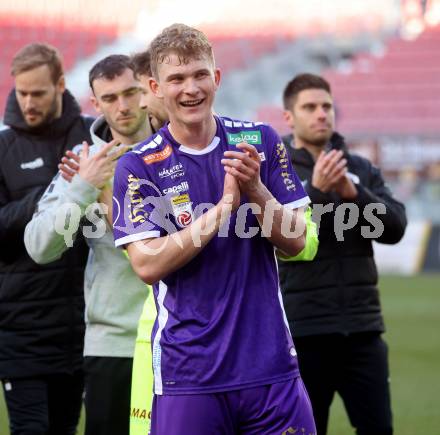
x,y
187,89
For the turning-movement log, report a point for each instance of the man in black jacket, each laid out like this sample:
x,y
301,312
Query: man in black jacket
x,y
332,303
41,307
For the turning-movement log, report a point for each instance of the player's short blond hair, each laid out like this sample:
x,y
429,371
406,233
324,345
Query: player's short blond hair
x,y
186,42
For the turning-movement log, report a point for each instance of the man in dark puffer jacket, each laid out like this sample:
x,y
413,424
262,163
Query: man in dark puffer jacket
x,y
41,307
332,303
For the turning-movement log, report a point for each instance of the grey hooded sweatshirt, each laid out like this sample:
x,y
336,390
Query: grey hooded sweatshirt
x,y
114,295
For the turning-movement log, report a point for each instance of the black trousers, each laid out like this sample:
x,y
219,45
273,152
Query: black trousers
x,y
108,394
44,405
356,367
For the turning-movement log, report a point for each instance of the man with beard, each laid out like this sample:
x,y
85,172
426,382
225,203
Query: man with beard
x,y
114,294
332,303
41,308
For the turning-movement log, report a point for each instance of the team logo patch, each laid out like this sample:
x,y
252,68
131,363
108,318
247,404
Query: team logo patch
x,y
159,156
184,218
182,209
252,137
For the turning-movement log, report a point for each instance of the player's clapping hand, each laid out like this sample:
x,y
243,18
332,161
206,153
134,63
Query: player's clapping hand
x,y
330,175
96,169
244,165
69,165
329,170
231,191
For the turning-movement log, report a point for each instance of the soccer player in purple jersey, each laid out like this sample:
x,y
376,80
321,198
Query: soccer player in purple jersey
x,y
201,207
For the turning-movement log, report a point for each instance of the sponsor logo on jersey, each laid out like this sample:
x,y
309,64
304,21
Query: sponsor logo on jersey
x,y
283,160
159,156
35,164
252,137
182,187
136,214
173,172
182,210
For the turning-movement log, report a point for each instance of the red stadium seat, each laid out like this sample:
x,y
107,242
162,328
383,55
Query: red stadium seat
x,y
394,94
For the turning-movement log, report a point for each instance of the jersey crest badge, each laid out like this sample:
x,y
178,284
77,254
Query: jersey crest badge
x,y
182,210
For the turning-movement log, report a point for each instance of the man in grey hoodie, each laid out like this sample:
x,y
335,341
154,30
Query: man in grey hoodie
x,y
114,294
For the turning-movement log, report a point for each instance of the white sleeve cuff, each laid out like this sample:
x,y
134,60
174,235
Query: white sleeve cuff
x,y
302,202
137,237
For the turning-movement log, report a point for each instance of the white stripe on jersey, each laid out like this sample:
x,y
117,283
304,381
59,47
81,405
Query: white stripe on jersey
x,y
280,299
302,202
158,139
162,318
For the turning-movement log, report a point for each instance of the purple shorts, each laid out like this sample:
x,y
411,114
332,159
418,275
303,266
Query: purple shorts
x,y
279,409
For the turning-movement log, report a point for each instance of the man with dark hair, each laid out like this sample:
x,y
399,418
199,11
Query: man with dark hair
x,y
332,303
300,83
223,357
114,294
110,67
41,308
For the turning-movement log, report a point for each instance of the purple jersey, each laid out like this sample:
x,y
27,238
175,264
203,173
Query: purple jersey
x,y
221,324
